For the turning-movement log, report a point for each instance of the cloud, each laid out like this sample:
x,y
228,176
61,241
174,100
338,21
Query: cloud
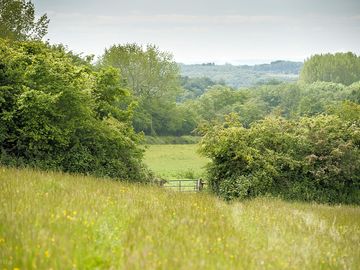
x,y
168,19
355,18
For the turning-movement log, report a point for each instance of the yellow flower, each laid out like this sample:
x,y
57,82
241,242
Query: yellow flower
x,y
47,254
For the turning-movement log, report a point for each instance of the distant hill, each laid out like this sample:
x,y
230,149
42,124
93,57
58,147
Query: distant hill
x,y
245,75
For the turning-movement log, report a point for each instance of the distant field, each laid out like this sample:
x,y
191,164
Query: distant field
x,y
57,221
174,161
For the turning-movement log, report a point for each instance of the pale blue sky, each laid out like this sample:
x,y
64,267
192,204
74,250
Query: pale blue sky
x,y
234,31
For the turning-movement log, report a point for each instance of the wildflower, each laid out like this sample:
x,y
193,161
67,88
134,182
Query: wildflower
x,y
47,254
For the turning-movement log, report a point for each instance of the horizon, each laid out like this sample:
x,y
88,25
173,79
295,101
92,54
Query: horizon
x,y
240,62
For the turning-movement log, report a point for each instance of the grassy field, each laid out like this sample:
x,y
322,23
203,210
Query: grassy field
x,y
57,221
174,161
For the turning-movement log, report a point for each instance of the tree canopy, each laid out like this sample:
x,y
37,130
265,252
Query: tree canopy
x,y
339,68
18,22
150,73
56,113
153,77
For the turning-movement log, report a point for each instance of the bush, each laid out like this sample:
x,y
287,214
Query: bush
x,y
311,159
57,113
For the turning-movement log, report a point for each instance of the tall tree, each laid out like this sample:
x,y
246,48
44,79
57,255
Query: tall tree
x,y
17,21
152,76
149,72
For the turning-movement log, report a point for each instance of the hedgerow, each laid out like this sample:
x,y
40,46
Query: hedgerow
x,y
310,159
58,113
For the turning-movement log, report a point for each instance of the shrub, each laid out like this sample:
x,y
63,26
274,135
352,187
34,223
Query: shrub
x,y
312,159
59,114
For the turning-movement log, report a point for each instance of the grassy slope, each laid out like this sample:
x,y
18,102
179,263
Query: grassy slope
x,y
174,161
51,220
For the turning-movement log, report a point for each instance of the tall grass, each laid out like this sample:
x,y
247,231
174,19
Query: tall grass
x,y
58,221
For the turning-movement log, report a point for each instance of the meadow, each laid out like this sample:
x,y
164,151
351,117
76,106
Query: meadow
x,y
57,221
175,161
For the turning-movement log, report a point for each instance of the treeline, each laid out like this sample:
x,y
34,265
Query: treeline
x,y
339,68
286,100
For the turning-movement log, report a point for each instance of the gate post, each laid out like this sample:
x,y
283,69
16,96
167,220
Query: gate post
x,y
200,184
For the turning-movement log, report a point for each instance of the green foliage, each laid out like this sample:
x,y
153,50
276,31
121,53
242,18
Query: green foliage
x,y
195,87
59,114
17,21
290,101
312,158
339,68
153,78
148,72
206,100
348,111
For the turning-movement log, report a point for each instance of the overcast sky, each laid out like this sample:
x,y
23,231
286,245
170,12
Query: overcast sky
x,y
197,31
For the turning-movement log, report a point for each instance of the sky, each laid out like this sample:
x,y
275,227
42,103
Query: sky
x,y
197,31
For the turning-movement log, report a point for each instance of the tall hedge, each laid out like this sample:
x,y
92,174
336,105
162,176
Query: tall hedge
x,y
58,113
311,159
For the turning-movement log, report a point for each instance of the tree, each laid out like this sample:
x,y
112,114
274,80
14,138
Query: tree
x,y
58,114
195,87
153,78
338,68
149,72
17,21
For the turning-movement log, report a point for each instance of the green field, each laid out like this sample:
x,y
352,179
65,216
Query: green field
x,y
57,221
175,161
